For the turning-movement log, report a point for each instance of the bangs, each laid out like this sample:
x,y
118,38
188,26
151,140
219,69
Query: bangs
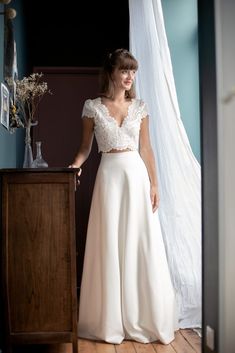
x,y
127,63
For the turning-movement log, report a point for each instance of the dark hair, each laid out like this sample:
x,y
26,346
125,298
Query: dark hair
x,y
121,59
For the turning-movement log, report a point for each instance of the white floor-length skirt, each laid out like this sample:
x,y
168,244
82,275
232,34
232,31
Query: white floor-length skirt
x,y
126,290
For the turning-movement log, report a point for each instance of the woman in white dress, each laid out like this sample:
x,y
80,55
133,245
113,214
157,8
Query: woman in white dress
x,y
126,290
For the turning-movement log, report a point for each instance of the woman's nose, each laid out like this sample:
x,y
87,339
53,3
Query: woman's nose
x,y
131,74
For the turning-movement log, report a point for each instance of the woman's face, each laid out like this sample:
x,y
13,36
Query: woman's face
x,y
123,79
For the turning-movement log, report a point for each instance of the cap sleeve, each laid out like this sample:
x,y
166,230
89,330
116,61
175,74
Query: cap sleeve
x,y
143,109
88,110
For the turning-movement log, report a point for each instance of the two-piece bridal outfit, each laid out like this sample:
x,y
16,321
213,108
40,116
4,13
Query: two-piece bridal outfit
x,y
126,290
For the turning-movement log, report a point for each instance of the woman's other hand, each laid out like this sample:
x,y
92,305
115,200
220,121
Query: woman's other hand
x,y
154,196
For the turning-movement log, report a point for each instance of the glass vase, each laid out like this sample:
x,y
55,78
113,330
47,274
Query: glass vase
x,y
39,162
28,154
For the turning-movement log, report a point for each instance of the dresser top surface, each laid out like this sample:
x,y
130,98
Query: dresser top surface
x,y
38,170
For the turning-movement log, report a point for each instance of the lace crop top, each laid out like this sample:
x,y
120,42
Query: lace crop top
x,y
109,135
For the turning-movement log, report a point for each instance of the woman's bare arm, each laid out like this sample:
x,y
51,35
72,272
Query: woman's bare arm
x,y
86,144
147,155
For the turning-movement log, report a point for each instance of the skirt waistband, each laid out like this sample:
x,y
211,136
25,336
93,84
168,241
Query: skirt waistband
x,y
119,154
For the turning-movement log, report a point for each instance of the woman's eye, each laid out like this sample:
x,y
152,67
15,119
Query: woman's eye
x,y
128,71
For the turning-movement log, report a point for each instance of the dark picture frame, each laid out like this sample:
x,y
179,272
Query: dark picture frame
x,y
5,95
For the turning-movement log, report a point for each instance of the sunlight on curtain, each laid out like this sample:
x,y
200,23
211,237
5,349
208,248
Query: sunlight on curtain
x,y
179,173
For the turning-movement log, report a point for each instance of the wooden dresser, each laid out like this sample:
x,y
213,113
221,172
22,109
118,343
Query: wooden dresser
x,y
39,256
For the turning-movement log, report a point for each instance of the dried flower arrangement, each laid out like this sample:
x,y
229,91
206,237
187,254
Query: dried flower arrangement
x,y
27,94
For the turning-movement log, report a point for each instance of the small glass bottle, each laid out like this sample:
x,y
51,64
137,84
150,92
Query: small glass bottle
x,y
39,161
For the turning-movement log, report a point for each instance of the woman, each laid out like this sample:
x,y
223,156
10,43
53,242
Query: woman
x,y
126,290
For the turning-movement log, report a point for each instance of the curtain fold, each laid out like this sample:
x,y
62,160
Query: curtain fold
x,y
178,171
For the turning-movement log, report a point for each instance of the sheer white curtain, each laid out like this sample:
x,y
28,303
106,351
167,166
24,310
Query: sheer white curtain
x,y
179,173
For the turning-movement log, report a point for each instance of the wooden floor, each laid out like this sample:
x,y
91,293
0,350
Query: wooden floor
x,y
186,341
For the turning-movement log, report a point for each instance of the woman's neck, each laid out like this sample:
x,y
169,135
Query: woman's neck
x,y
118,96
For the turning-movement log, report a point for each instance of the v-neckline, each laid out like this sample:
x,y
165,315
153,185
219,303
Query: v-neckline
x,y
112,117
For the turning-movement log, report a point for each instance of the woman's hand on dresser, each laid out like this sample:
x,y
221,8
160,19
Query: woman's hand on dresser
x,y
78,173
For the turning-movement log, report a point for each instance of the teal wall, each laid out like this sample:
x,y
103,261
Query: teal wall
x,y
181,23
12,145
